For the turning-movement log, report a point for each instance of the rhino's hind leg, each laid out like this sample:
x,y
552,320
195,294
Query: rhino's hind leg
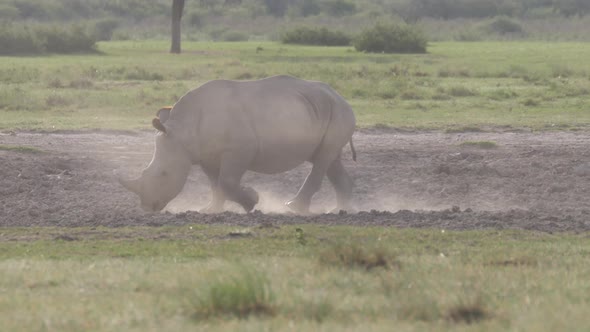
x,y
342,185
233,167
313,183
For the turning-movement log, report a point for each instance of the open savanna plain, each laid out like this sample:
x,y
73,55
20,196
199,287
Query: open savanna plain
x,y
472,184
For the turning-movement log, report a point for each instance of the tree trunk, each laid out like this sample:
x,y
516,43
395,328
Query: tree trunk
x,y
177,8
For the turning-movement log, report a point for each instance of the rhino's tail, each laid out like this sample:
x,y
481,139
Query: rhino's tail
x,y
352,150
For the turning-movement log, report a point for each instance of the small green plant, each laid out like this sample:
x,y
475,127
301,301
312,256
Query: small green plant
x,y
391,38
241,294
480,144
315,36
300,236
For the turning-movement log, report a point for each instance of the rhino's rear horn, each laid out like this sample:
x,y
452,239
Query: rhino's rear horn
x,y
158,125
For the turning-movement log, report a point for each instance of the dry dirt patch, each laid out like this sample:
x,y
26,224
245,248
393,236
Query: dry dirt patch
x,y
537,181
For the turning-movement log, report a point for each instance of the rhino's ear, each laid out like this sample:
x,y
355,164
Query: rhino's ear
x,y
164,113
158,125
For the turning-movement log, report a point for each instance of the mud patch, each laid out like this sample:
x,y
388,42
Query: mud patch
x,y
536,181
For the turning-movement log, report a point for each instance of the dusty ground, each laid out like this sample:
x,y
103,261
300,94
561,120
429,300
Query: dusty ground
x,y
538,181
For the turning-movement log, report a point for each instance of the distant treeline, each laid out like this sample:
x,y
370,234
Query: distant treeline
x,y
409,10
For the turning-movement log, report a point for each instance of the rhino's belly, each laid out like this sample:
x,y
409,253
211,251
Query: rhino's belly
x,y
281,156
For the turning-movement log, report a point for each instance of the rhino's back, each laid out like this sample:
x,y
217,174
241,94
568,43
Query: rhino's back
x,y
283,118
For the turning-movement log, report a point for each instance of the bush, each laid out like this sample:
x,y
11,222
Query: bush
x,y
315,36
19,39
339,7
391,38
503,25
196,19
103,29
62,40
234,36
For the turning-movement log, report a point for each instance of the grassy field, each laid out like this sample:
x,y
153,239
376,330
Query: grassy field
x,y
292,278
310,277
533,85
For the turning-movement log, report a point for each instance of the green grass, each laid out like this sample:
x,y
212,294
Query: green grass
x,y
20,148
538,85
480,144
202,278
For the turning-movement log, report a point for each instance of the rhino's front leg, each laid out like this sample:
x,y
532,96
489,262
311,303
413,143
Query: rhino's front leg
x,y
233,166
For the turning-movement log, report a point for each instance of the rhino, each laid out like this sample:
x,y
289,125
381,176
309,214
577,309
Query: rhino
x,y
268,126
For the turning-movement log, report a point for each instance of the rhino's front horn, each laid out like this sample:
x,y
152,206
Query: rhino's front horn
x,y
131,185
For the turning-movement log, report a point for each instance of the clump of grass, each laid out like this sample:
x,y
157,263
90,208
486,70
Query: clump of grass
x,y
57,101
468,313
561,70
353,256
244,76
142,74
55,83
419,309
530,102
240,294
81,83
454,72
411,94
464,129
480,144
386,93
318,310
20,148
461,91
441,96
516,262
502,94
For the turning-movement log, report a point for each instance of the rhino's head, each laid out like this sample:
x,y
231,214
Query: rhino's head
x,y
166,174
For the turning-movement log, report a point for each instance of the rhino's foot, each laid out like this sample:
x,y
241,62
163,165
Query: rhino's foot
x,y
298,207
253,199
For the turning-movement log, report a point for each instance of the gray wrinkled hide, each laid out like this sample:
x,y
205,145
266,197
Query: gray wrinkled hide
x,y
267,126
